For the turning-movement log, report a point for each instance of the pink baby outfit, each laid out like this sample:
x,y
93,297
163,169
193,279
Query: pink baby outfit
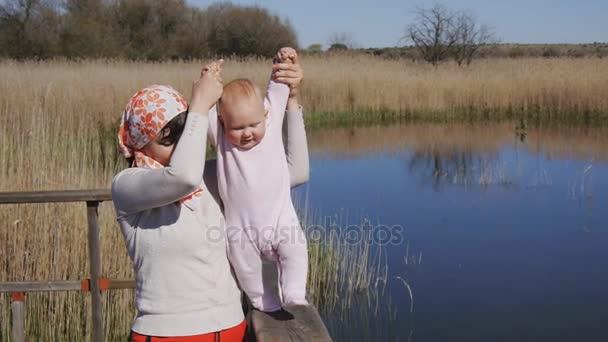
x,y
261,221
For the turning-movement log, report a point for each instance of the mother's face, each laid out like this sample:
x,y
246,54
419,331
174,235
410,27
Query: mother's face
x,y
159,148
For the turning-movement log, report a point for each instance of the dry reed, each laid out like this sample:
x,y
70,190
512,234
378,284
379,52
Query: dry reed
x,y
57,123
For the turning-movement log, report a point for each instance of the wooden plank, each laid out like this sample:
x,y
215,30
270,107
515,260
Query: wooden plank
x,y
18,313
40,286
294,323
116,284
96,195
95,270
63,285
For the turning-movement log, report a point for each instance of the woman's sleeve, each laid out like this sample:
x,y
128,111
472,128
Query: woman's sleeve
x,y
138,189
296,148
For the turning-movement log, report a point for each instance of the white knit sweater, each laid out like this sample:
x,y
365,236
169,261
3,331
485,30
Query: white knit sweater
x,y
184,284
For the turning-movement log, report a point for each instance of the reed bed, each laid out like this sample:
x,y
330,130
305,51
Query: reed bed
x,y
337,88
58,126
57,131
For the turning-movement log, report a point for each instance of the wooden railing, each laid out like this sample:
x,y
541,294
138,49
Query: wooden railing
x,y
299,323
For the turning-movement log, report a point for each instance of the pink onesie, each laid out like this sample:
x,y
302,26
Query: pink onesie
x,y
260,218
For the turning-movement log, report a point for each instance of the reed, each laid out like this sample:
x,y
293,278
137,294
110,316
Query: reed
x,y
57,131
337,89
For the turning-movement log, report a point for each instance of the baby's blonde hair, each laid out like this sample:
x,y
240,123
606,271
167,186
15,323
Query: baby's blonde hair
x,y
239,89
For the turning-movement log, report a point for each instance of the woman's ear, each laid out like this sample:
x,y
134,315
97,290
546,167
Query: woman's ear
x,y
165,132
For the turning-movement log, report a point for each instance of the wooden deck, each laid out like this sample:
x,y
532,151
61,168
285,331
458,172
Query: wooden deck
x,y
297,323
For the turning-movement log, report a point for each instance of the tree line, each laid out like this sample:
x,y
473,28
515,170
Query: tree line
x,y
138,29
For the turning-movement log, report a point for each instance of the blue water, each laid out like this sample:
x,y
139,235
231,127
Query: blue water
x,y
522,256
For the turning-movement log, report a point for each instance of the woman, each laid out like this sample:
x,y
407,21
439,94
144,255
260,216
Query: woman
x,y
169,211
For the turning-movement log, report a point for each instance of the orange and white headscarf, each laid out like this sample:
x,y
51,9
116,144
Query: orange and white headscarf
x,y
148,111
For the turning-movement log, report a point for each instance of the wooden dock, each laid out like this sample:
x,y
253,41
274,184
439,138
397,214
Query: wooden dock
x,y
297,323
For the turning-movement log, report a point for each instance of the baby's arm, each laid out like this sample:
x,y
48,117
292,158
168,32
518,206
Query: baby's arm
x,y
212,130
278,93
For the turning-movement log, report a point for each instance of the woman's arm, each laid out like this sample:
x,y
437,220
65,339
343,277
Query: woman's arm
x,y
138,189
296,146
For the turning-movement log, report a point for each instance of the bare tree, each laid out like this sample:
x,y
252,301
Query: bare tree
x,y
433,32
342,41
470,36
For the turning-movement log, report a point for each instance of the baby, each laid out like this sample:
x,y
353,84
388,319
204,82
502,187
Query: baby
x,y
254,185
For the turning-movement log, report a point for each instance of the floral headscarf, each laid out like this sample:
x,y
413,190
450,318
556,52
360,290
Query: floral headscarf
x,y
148,111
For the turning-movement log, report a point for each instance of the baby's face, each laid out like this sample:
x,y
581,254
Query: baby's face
x,y
244,121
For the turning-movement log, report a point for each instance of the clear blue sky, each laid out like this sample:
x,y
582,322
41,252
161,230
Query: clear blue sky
x,y
381,23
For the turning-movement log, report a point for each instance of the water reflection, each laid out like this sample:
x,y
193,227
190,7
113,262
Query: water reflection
x,y
557,142
478,155
508,219
457,167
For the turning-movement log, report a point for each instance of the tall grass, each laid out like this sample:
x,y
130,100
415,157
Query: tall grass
x,y
57,129
336,89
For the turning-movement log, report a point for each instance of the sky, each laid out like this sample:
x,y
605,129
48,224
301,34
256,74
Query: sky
x,y
382,23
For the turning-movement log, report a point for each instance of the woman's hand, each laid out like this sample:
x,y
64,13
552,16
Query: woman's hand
x,y
289,72
207,90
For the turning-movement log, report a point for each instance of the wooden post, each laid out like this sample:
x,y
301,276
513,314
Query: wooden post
x,y
95,270
18,313
1,312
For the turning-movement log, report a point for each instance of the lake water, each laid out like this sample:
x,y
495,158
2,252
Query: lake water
x,y
507,228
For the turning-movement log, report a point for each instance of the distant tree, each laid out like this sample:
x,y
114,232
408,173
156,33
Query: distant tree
x,y
87,29
337,47
138,29
550,52
247,30
148,29
342,39
470,36
433,32
28,28
314,49
191,37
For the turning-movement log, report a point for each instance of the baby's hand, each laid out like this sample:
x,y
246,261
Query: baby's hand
x,y
289,71
207,90
286,55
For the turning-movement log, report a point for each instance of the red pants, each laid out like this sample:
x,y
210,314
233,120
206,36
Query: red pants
x,y
234,334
